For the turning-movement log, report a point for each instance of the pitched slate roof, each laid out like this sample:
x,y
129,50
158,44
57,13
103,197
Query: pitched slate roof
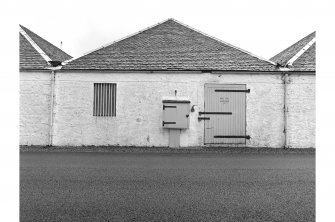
x,y
31,58
303,60
170,45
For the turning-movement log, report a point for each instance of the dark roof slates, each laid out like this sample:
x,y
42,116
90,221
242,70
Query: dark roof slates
x,y
30,58
305,62
169,46
52,51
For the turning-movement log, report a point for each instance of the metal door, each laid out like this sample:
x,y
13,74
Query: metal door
x,y
176,114
225,113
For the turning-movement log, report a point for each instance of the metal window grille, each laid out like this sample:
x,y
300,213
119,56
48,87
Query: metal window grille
x,y
104,100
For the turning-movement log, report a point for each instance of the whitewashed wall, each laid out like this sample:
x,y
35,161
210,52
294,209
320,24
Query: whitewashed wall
x,y
139,108
35,88
301,111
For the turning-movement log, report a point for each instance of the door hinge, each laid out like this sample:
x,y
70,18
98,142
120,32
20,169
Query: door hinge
x,y
216,113
168,123
164,106
203,118
232,90
231,137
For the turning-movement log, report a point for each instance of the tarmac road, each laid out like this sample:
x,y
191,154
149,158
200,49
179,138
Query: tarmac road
x,y
64,186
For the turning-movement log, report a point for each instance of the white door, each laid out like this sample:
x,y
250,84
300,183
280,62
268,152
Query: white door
x,y
225,113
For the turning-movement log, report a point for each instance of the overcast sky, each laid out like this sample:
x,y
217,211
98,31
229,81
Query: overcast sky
x,y
261,27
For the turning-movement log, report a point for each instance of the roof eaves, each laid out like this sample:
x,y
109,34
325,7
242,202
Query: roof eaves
x,y
226,43
173,70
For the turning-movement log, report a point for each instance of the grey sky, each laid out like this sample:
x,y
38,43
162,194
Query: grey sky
x,y
261,27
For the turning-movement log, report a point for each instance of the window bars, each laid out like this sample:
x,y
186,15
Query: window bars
x,y
104,100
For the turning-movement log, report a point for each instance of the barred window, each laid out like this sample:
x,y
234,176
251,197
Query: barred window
x,y
104,100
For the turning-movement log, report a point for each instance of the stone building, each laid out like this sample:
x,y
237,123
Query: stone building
x,y
37,60
299,59
220,94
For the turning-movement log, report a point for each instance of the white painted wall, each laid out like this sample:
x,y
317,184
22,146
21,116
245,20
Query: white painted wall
x,y
34,107
301,111
139,108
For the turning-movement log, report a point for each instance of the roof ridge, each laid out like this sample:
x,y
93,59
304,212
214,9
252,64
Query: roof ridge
x,y
221,41
116,41
169,45
34,45
301,51
170,19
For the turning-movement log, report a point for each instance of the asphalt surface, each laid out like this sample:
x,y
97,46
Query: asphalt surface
x,y
60,186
